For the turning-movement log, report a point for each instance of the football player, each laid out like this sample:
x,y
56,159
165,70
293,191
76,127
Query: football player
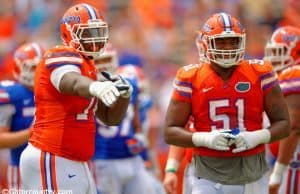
x,y
144,105
226,98
283,50
67,95
17,107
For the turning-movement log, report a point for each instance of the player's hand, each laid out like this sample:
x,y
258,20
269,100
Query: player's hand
x,y
137,144
274,189
122,84
216,139
106,91
246,140
276,177
170,183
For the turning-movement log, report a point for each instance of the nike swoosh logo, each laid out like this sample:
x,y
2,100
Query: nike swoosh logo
x,y
71,176
207,89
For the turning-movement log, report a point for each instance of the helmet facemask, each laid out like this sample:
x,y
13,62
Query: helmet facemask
x,y
201,49
26,71
279,55
91,38
225,57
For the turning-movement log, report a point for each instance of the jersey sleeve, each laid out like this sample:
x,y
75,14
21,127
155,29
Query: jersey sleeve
x,y
9,92
61,60
182,85
267,77
7,108
289,81
60,56
4,97
6,114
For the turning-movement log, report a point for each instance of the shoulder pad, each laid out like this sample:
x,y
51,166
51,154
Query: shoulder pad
x,y
261,66
61,50
188,70
290,73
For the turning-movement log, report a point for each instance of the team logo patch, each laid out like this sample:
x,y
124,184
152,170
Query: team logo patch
x,y
242,87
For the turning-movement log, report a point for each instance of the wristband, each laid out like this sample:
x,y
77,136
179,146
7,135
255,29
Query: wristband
x,y
279,168
172,165
171,170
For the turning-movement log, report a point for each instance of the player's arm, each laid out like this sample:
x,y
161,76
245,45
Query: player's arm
x,y
113,115
74,83
10,139
276,109
13,139
175,156
174,131
68,80
287,145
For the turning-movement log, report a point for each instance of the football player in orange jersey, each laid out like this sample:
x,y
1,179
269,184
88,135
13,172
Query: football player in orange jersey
x,y
67,99
283,50
226,98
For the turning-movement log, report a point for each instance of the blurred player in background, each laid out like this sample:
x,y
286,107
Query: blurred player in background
x,y
283,50
17,107
174,181
144,105
226,98
118,167
67,95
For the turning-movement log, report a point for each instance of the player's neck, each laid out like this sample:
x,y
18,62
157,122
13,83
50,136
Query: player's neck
x,y
223,73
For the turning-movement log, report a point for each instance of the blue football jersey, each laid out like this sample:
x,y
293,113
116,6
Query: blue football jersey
x,y
110,141
21,101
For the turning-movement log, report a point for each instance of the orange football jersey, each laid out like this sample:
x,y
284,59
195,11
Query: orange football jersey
x,y
237,103
64,124
289,80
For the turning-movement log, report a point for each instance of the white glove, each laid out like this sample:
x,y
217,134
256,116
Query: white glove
x,y
277,174
106,91
121,84
217,139
246,140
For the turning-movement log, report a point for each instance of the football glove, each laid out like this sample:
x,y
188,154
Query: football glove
x,y
216,139
106,91
246,140
121,84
